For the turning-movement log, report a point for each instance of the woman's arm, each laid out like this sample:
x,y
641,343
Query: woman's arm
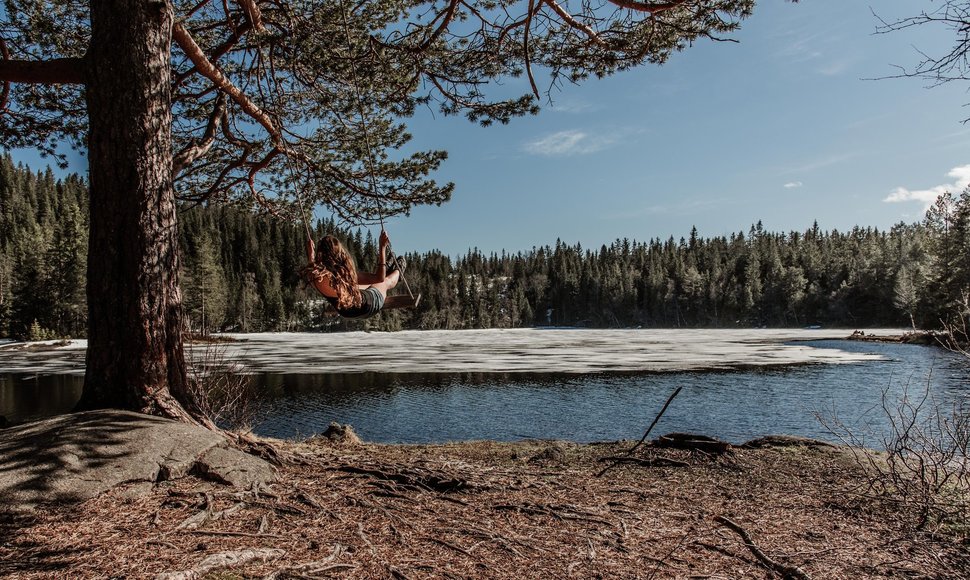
x,y
365,279
322,284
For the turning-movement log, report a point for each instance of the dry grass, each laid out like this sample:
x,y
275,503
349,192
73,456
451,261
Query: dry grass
x,y
492,510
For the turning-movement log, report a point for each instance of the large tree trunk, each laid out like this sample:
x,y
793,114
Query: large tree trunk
x,y
135,358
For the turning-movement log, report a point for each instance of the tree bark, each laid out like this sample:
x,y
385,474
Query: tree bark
x,y
135,357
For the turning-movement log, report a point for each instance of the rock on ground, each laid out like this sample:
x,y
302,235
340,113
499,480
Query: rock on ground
x,y
75,457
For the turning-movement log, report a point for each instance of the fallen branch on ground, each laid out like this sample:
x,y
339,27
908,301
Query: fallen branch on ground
x,y
647,433
233,534
648,462
558,512
311,569
208,515
783,569
427,481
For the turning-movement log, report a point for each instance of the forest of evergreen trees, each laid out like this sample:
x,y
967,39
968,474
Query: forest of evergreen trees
x,y
240,274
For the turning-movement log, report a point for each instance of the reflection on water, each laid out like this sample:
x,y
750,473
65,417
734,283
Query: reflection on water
x,y
416,408
28,397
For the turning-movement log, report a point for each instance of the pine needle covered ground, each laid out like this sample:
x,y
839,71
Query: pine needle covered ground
x,y
495,510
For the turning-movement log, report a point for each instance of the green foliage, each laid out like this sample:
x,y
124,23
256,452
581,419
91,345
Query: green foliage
x,y
204,285
38,332
43,251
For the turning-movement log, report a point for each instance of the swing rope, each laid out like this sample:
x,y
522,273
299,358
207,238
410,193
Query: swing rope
x,y
369,159
355,78
306,222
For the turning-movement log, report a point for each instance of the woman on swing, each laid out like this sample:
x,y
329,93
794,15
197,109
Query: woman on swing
x,y
353,294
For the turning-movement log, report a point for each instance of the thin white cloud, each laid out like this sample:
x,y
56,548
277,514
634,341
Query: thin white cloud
x,y
574,107
819,163
954,135
836,67
793,184
802,48
961,179
690,207
822,52
566,143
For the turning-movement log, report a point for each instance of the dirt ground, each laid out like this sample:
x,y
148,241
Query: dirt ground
x,y
535,509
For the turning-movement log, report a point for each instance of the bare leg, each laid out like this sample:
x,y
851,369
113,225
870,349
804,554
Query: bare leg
x,y
390,281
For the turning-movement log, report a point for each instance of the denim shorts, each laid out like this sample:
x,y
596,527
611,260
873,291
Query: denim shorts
x,y
370,304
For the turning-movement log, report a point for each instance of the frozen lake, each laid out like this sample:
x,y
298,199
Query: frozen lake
x,y
546,350
576,384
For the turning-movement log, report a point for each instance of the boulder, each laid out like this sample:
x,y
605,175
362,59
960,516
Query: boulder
x,y
341,434
71,458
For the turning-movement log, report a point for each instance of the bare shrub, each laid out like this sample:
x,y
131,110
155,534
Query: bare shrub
x,y
219,391
921,465
956,335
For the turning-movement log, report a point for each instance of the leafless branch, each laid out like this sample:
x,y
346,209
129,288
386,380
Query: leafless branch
x,y
448,14
785,570
509,28
217,53
197,7
525,48
953,65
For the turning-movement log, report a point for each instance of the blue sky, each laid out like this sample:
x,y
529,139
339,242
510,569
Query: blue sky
x,y
784,127
781,127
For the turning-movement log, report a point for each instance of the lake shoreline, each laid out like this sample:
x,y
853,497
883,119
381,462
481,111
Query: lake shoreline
x,y
498,510
920,337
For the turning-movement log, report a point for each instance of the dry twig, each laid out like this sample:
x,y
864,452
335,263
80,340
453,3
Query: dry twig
x,y
647,433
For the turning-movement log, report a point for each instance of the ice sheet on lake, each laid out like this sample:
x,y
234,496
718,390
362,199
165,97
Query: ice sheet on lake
x,y
511,350
51,357
535,350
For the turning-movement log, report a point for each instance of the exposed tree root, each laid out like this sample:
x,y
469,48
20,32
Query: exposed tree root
x,y
692,442
222,560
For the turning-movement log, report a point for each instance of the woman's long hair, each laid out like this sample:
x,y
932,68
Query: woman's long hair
x,y
334,262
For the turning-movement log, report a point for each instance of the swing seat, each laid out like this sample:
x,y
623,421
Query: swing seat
x,y
390,303
401,301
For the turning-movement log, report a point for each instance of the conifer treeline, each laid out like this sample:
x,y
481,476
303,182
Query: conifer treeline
x,y
43,253
240,274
